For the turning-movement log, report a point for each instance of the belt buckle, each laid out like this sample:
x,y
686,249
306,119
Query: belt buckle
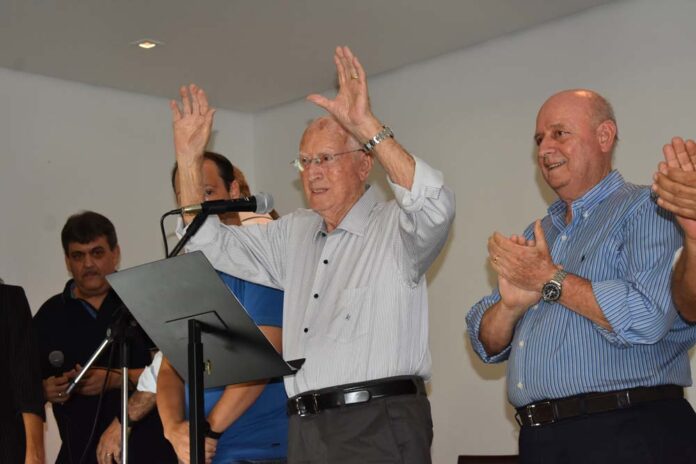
x,y
529,413
303,409
623,399
358,396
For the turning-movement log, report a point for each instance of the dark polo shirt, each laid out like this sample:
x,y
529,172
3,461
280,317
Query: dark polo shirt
x,y
71,325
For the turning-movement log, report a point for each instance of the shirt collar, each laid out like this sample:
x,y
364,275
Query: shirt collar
x,y
69,290
69,294
355,222
611,183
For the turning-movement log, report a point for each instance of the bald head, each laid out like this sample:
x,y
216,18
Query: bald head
x,y
597,108
575,135
330,127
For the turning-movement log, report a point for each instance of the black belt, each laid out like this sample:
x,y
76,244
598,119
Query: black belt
x,y
548,412
334,397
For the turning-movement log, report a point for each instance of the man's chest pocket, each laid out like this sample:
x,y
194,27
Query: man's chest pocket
x,y
351,318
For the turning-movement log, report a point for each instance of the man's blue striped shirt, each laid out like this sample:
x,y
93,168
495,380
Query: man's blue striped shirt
x,y
621,241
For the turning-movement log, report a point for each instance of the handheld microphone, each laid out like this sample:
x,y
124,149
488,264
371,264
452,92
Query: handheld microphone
x,y
56,359
261,203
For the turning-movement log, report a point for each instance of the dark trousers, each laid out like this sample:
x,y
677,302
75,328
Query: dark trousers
x,y
659,432
396,429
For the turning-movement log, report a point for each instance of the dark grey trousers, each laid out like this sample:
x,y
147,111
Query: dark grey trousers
x,y
396,429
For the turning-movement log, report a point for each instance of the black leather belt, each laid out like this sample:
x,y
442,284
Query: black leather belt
x,y
548,412
314,402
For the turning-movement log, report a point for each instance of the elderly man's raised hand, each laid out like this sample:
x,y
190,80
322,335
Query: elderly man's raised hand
x,y
675,183
193,121
351,106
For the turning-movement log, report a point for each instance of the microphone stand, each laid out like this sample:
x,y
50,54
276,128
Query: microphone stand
x,y
125,354
190,232
121,331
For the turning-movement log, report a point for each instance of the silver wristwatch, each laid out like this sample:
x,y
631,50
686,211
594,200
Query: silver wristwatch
x,y
551,291
381,136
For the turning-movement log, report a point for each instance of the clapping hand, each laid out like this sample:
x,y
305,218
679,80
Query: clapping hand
x,y
675,183
523,266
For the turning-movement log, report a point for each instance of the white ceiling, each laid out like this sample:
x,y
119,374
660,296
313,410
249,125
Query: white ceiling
x,y
249,54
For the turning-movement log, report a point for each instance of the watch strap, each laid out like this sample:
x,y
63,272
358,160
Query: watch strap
x,y
559,277
212,434
381,136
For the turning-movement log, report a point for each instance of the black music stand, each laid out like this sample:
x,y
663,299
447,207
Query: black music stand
x,y
182,302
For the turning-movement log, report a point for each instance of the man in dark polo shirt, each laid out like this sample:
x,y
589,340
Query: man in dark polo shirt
x,y
70,326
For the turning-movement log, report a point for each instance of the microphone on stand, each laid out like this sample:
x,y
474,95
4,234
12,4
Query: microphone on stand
x,y
261,203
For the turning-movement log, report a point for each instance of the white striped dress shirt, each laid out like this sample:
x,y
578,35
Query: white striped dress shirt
x,y
622,242
356,303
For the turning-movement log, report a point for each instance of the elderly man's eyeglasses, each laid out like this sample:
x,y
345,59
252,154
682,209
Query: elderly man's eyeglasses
x,y
303,161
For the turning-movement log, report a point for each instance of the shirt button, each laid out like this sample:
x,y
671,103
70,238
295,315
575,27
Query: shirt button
x,y
585,214
535,306
316,295
520,386
326,261
564,237
306,330
521,344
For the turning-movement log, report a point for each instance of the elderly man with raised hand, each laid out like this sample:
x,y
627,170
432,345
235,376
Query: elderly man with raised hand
x,y
597,355
675,185
353,271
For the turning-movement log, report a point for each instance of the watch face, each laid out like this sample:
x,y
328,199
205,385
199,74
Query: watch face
x,y
551,291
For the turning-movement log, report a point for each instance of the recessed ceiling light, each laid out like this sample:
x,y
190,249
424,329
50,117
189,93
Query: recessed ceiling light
x,y
147,44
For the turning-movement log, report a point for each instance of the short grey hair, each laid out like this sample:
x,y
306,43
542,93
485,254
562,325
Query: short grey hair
x,y
328,122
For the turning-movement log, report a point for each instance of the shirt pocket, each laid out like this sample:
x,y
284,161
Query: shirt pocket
x,y
350,318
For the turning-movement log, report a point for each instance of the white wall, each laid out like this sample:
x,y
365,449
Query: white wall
x,y
471,114
68,147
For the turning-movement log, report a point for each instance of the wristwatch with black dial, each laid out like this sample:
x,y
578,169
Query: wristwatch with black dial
x,y
551,291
